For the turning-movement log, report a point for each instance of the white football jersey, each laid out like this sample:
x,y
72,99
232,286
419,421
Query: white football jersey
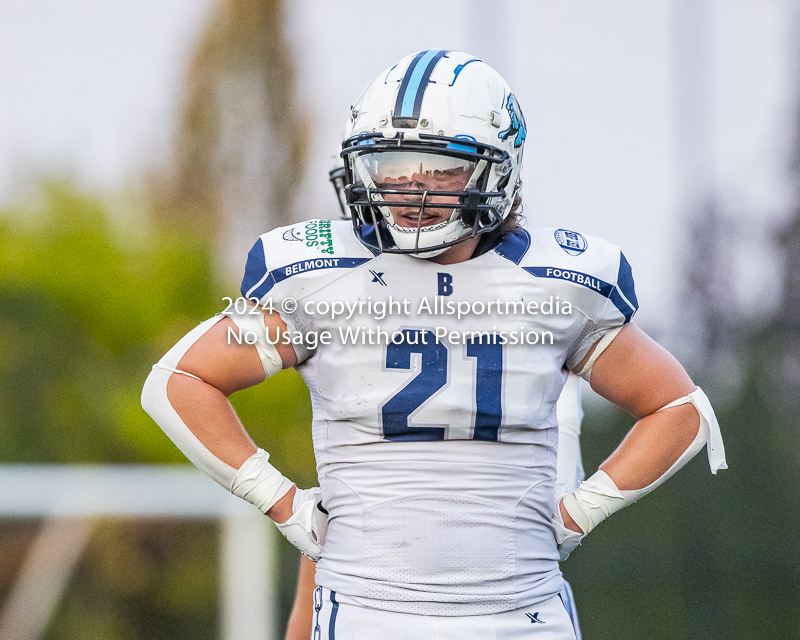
x,y
435,435
569,412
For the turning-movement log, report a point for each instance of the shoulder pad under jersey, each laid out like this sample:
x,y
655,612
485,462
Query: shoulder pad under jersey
x,y
590,272
301,258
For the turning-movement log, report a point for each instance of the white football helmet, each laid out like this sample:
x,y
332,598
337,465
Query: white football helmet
x,y
438,130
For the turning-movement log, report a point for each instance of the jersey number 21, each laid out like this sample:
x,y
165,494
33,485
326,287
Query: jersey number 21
x,y
396,411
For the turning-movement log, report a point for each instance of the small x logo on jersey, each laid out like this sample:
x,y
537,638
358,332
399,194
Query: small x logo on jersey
x,y
534,617
377,276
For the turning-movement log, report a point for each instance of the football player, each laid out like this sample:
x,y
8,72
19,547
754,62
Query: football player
x,y
435,335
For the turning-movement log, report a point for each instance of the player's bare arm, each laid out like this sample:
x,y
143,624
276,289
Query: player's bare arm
x,y
641,377
675,422
187,395
224,367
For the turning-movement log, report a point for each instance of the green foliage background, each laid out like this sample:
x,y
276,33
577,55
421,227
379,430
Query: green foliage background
x,y
86,307
91,295
703,557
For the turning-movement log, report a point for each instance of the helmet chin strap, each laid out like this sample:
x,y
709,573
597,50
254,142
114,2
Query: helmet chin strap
x,y
435,252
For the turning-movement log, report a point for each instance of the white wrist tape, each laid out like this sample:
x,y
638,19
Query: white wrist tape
x,y
252,322
593,501
258,482
598,497
566,539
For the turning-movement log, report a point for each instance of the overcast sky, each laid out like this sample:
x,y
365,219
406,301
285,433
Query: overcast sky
x,y
92,87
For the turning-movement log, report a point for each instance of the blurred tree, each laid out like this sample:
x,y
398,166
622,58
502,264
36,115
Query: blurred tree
x,y
703,557
787,324
143,579
711,557
242,139
83,311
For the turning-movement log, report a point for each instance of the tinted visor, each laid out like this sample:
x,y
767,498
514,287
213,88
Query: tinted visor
x,y
417,171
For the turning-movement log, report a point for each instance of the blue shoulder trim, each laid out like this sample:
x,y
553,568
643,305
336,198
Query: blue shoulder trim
x,y
257,279
514,246
583,279
622,294
282,273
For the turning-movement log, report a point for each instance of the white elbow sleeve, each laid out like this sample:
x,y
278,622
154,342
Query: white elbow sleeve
x,y
251,322
598,497
257,481
157,404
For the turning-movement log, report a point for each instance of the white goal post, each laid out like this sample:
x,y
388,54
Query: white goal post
x,y
70,498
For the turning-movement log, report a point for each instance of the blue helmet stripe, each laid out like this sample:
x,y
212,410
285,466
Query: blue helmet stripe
x,y
398,107
415,81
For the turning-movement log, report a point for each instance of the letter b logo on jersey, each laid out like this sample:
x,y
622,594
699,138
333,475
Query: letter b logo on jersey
x,y
445,284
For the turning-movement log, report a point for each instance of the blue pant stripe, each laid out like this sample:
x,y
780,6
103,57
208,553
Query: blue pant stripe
x,y
334,611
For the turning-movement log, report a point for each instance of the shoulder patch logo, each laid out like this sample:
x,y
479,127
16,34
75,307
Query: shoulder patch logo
x,y
292,235
571,241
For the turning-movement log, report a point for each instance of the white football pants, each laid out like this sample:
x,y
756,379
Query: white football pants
x,y
335,619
